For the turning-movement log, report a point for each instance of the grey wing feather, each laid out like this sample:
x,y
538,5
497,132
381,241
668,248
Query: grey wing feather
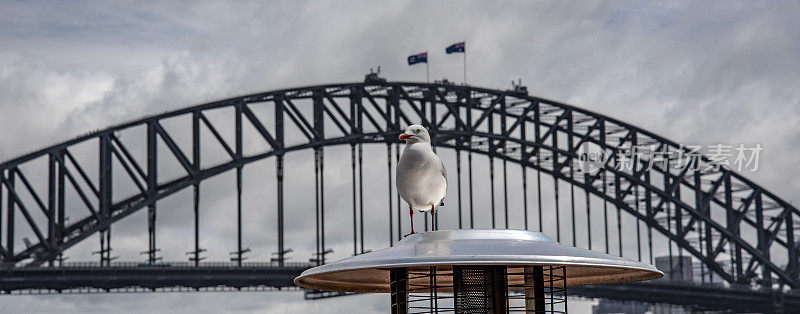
x,y
444,171
444,174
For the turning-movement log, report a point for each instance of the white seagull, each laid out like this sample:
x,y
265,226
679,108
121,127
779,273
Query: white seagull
x,y
421,178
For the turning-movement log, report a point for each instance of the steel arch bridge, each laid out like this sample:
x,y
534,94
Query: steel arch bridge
x,y
740,232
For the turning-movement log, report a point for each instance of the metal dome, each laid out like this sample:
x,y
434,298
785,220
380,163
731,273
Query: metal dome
x,y
513,248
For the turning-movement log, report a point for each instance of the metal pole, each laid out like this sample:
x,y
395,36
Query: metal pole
x,y
669,230
61,202
679,225
491,183
434,290
605,209
572,204
635,156
355,219
638,225
458,179
196,223
279,137
490,123
239,215
503,129
619,212
698,197
322,202
108,248
605,184
505,191
239,154
471,201
319,127
556,169
196,166
427,73
316,206
51,200
279,175
534,289
361,193
539,194
152,185
649,211
398,281
536,136
499,289
465,62
525,194
469,163
570,144
354,129
10,213
524,171
588,210
389,197
558,215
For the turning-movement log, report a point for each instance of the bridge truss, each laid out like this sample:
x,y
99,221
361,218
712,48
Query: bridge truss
x,y
742,234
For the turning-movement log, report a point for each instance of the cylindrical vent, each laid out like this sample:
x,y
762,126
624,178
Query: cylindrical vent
x,y
478,289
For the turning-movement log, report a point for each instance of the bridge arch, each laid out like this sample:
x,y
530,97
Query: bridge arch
x,y
754,243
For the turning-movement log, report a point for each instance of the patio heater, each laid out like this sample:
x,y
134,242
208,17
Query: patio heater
x,y
475,271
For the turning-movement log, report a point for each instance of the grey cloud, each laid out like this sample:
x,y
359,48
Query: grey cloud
x,y
700,73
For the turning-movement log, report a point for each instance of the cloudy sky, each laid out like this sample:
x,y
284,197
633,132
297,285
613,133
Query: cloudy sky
x,y
706,73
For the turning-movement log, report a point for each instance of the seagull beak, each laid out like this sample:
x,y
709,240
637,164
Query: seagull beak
x,y
403,136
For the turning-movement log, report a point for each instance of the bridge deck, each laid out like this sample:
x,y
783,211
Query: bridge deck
x,y
121,277
181,276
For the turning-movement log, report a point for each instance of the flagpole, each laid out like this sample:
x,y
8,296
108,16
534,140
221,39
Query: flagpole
x,y
427,73
465,65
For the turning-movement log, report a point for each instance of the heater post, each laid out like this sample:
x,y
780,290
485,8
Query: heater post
x,y
399,290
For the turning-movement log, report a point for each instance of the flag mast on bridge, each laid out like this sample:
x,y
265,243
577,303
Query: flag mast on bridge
x,y
459,48
420,58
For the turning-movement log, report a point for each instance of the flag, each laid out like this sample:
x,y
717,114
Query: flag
x,y
418,58
457,47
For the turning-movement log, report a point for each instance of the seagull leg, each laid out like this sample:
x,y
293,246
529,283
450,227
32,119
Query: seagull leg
x,y
411,213
433,218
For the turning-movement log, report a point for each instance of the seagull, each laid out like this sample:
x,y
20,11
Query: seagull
x,y
421,178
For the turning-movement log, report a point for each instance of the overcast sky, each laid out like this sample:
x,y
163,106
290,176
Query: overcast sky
x,y
706,73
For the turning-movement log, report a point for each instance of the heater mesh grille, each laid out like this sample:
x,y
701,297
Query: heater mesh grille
x,y
474,289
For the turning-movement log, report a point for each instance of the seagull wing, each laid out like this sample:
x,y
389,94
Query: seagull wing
x,y
444,171
444,174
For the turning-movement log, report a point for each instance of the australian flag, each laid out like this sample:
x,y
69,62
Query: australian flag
x,y
457,47
418,58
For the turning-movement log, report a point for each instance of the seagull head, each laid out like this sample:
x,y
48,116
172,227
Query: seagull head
x,y
415,134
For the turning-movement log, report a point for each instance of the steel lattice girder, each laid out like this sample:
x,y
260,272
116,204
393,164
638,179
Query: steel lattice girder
x,y
384,108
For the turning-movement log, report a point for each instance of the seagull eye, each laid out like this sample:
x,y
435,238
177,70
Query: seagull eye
x,y
417,130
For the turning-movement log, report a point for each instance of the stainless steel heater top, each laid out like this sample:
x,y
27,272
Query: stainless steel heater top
x,y
447,248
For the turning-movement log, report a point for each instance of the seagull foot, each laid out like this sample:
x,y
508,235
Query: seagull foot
x,y
409,234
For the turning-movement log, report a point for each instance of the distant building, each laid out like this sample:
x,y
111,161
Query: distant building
x,y
611,306
668,309
618,307
680,270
